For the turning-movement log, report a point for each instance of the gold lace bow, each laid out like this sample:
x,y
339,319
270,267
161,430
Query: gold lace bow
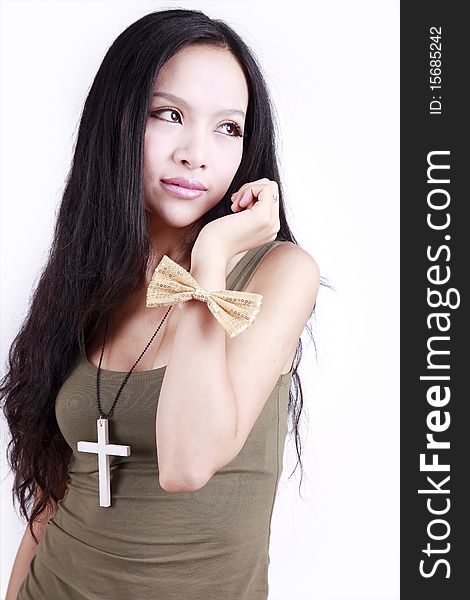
x,y
172,284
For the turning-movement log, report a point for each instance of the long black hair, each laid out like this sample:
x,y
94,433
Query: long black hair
x,y
101,245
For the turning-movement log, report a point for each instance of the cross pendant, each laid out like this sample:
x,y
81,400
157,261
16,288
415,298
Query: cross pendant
x,y
104,449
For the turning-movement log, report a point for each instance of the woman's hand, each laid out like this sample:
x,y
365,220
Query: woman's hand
x,y
255,220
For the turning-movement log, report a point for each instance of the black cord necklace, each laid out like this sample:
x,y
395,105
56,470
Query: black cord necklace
x,y
102,447
98,374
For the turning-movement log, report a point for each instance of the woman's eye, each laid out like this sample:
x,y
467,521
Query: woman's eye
x,y
163,110
234,131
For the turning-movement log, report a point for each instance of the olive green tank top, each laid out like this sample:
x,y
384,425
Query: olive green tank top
x,y
150,544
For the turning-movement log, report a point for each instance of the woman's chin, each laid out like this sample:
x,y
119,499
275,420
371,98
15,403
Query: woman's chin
x,y
175,216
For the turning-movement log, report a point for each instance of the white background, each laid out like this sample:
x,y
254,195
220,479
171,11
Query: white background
x,y
333,70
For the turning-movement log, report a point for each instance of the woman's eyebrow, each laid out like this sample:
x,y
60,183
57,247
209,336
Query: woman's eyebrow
x,y
173,98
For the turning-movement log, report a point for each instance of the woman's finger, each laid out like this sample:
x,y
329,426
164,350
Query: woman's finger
x,y
239,193
251,194
247,197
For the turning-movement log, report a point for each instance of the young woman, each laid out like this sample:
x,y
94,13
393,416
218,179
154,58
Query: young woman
x,y
148,389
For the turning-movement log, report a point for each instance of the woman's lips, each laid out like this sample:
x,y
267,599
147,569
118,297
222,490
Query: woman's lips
x,y
182,192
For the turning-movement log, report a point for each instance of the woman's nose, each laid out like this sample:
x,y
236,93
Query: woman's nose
x,y
192,151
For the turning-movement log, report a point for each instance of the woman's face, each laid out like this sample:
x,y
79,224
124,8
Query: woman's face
x,y
195,133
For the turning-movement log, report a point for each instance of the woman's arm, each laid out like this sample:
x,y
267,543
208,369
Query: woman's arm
x,y
192,406
27,547
24,556
215,388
